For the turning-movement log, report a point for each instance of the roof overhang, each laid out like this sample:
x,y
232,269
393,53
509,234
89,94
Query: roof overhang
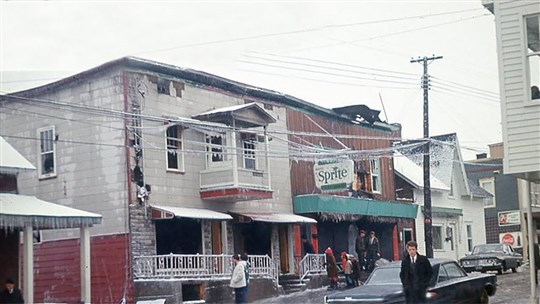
x,y
244,115
11,161
279,218
167,212
17,211
445,212
317,203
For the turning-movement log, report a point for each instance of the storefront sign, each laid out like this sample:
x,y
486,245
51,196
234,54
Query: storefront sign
x,y
333,175
511,238
507,218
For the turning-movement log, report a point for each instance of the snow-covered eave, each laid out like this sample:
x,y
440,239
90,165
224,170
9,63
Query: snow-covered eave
x,y
11,221
416,186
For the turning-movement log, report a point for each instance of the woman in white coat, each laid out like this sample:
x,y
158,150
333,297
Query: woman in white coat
x,y
238,279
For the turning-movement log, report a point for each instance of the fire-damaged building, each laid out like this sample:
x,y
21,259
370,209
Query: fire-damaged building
x,y
368,202
187,168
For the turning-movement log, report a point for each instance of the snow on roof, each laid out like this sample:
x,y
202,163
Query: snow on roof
x,y
18,210
194,213
415,174
278,217
227,109
11,160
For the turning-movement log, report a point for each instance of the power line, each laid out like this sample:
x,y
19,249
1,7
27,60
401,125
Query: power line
x,y
189,45
436,79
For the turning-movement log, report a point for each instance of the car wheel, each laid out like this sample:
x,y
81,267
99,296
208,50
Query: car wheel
x,y
484,297
499,271
514,270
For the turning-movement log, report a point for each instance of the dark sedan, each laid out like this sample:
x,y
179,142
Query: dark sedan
x,y
449,284
486,257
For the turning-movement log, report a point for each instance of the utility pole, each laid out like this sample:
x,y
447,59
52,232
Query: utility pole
x,y
428,231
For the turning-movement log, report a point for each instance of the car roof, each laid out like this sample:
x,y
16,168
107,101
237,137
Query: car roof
x,y
398,263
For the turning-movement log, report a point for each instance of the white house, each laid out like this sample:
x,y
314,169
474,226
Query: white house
x,y
457,205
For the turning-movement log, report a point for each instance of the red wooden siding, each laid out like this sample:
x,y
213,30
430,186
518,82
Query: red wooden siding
x,y
57,270
302,179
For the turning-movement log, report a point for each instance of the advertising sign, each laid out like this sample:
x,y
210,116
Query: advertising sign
x,y
513,239
333,175
507,218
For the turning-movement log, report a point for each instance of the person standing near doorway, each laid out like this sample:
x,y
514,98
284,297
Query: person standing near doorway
x,y
238,279
415,274
360,248
11,294
374,251
308,247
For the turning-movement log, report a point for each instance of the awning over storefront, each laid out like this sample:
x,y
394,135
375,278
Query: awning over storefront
x,y
445,211
282,218
317,203
167,212
18,210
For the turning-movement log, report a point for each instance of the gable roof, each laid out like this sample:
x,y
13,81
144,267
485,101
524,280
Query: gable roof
x,y
11,161
244,115
414,174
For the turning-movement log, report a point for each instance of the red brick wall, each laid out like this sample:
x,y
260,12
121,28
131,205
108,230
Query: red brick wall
x,y
57,270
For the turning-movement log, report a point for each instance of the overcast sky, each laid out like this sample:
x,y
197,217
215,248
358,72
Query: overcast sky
x,y
331,53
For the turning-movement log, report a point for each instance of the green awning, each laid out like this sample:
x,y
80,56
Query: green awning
x,y
317,203
445,211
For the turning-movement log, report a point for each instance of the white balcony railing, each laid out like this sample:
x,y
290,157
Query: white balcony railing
x,y
199,266
223,177
311,264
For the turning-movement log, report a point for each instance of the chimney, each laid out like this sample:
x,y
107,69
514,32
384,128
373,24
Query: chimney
x,y
481,155
496,151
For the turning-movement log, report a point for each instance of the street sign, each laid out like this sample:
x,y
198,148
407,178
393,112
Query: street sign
x,y
334,175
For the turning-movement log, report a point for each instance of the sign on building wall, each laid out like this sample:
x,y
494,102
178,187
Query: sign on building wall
x,y
507,218
513,239
333,175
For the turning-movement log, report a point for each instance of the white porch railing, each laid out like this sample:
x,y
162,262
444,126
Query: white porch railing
x,y
199,266
311,264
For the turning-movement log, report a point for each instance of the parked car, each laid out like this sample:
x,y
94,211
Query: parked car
x,y
449,284
486,257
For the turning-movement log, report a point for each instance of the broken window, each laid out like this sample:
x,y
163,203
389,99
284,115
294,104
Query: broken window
x,y
175,155
163,86
47,152
215,149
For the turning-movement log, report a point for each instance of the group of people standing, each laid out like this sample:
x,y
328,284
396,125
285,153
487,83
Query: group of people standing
x,y
368,250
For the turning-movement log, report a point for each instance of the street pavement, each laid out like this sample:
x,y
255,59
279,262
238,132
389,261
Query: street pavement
x,y
512,288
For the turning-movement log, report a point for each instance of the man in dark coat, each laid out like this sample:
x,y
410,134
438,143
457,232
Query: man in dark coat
x,y
11,294
308,247
415,274
361,248
373,250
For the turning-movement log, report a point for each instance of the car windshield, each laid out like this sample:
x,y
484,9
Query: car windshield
x,y
384,276
491,248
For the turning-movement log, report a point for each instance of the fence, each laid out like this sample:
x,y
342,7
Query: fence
x,y
311,264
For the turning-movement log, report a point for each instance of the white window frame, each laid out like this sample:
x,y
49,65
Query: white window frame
x,y
249,154
470,243
51,130
210,148
527,62
488,202
175,146
375,175
440,236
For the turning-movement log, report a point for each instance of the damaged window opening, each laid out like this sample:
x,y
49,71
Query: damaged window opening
x,y
163,86
175,155
215,149
47,152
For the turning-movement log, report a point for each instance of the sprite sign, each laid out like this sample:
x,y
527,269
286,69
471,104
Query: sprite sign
x,y
333,175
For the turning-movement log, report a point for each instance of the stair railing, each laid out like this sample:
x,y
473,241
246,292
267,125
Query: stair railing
x,y
311,263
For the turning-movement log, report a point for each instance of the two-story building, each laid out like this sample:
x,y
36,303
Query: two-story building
x,y
186,169
457,203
